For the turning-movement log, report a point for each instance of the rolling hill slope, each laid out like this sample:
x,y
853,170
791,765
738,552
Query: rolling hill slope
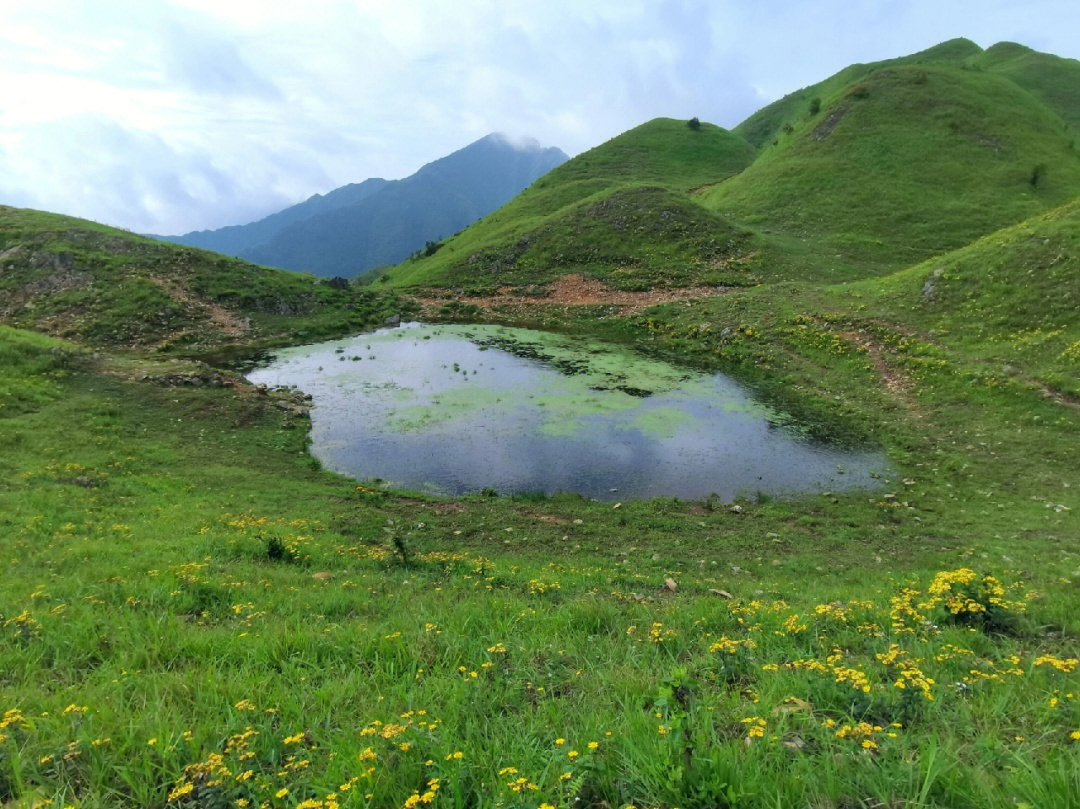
x,y
620,211
1010,298
905,162
879,167
102,286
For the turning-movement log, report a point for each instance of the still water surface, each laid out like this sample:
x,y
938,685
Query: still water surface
x,y
455,409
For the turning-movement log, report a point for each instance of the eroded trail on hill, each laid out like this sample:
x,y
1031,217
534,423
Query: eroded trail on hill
x,y
222,319
895,382
574,290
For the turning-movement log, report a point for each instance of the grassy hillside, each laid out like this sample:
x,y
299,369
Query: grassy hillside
x,y
201,617
196,616
103,286
619,211
905,162
876,168
1011,299
766,125
1054,80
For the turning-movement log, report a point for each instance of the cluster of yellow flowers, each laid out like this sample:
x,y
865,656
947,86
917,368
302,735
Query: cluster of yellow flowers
x,y
538,588
910,675
755,727
427,797
727,645
962,592
861,732
659,634
1067,665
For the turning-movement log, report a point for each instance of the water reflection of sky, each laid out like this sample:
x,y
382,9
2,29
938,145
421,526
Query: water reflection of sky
x,y
404,414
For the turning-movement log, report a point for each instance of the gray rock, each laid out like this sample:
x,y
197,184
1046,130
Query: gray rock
x,y
929,289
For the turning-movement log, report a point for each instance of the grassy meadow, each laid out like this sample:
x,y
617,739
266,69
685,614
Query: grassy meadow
x,y
203,618
195,615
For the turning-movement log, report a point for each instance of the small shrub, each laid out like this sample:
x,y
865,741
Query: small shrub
x,y
278,551
815,105
788,129
401,548
1037,174
431,248
694,123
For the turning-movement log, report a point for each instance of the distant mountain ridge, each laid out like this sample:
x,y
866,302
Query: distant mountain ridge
x,y
378,222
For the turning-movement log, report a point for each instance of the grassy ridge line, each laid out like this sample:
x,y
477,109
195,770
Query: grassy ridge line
x,y
104,286
906,162
766,124
1053,79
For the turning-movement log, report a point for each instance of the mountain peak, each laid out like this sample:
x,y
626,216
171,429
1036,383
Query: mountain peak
x,y
522,144
363,225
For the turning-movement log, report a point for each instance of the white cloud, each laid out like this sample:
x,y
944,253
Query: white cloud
x,y
169,116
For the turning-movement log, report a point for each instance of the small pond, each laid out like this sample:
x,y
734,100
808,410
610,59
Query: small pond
x,y
455,409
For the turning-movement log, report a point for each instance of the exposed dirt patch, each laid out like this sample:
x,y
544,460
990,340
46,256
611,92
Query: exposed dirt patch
x,y
1062,398
576,290
550,519
893,380
438,506
830,121
63,281
222,319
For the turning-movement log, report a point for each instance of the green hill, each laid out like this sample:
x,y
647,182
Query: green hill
x,y
876,168
102,286
767,123
903,163
619,211
1054,80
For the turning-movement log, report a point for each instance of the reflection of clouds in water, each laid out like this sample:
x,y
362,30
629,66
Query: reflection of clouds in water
x,y
518,425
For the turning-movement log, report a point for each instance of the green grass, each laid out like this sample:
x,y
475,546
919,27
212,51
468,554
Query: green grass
x,y
906,163
149,625
167,538
197,615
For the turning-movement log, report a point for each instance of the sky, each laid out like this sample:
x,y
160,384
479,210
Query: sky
x,y
169,116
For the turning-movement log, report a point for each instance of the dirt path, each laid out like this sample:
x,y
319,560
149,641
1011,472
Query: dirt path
x,y
576,290
222,319
894,381
864,341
